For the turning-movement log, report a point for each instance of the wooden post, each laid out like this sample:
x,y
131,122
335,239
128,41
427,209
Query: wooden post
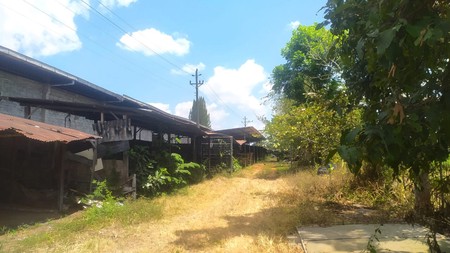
x,y
209,153
126,166
59,156
133,186
94,163
27,112
231,154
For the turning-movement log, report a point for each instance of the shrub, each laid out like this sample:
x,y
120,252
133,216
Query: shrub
x,y
197,172
164,172
101,202
236,165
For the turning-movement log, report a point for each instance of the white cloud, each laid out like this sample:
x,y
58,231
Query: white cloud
x,y
188,68
162,106
183,109
40,27
151,41
216,112
117,3
294,24
217,115
235,89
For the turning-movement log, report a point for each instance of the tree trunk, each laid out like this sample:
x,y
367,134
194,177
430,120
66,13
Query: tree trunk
x,y
422,193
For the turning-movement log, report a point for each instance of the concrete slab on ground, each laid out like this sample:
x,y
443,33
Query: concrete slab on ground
x,y
355,238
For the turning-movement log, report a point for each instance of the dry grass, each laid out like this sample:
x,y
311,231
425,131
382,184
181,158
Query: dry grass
x,y
251,211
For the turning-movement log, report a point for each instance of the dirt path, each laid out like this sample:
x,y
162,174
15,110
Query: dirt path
x,y
221,215
239,213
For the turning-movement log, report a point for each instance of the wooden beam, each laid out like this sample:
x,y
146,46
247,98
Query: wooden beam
x,y
78,159
59,155
27,112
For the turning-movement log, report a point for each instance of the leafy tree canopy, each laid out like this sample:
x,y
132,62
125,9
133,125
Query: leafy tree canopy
x,y
308,68
395,57
309,131
312,104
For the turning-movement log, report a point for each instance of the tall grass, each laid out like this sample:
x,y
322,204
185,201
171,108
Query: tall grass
x,y
338,198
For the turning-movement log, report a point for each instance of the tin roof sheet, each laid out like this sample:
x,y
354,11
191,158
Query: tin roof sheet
x,y
250,134
40,131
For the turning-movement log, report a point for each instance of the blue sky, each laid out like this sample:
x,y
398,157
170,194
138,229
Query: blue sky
x,y
149,49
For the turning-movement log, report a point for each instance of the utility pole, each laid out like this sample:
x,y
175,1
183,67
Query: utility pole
x,y
197,84
246,121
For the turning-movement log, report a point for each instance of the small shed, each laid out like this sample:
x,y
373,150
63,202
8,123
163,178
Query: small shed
x,y
35,158
247,148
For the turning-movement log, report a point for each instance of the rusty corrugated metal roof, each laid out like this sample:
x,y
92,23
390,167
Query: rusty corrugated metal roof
x,y
40,131
250,134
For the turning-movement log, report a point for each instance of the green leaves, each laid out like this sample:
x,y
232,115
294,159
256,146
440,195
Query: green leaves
x,y
395,62
311,131
310,66
352,155
385,39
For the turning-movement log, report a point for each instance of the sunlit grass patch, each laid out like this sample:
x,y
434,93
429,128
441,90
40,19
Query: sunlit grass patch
x,y
65,230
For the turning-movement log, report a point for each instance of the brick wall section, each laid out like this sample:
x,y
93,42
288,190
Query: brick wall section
x,y
15,86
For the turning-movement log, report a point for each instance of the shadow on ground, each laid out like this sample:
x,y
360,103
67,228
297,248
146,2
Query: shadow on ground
x,y
13,218
270,222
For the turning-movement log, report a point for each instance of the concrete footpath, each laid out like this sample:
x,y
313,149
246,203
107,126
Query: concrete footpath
x,y
355,238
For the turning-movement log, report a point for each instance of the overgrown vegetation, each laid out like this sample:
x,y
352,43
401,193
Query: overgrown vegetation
x,y
373,88
395,62
162,172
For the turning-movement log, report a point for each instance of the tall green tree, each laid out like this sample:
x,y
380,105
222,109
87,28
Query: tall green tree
x,y
308,68
310,97
204,118
395,59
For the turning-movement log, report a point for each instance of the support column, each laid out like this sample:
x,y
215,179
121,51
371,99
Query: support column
x,y
59,157
231,154
125,164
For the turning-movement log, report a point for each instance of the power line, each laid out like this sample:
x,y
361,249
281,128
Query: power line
x,y
128,66
125,32
134,38
135,29
222,102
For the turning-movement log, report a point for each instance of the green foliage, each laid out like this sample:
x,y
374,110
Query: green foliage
x,y
312,108
395,57
141,164
101,202
162,171
196,172
310,132
236,165
308,67
101,193
154,183
201,111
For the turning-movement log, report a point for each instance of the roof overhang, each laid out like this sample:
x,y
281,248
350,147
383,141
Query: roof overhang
x,y
11,126
250,134
147,117
24,66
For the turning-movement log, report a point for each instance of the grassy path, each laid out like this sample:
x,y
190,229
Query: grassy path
x,y
251,211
